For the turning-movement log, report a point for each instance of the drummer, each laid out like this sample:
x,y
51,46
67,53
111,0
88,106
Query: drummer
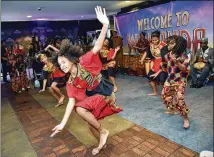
x,y
142,43
203,64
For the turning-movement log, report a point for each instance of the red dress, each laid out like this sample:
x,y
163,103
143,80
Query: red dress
x,y
18,51
57,73
88,78
156,53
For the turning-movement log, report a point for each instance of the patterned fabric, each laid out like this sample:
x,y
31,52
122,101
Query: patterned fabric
x,y
100,106
18,51
84,80
173,97
142,44
19,77
175,75
156,49
89,77
156,53
106,58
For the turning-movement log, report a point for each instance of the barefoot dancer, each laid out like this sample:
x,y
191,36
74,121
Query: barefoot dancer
x,y
108,59
176,63
155,75
85,78
57,79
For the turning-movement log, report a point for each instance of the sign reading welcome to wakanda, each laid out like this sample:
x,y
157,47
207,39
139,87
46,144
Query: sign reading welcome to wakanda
x,y
190,19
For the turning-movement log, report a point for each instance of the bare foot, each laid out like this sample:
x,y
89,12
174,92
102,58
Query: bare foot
x,y
153,94
103,137
59,104
186,123
61,99
115,89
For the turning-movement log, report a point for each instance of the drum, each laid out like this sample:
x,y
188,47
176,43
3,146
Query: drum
x,y
199,65
125,61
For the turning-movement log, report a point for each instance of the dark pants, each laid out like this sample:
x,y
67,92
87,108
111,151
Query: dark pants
x,y
4,69
203,76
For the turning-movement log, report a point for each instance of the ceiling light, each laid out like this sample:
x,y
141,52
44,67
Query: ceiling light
x,y
127,1
42,19
29,16
82,16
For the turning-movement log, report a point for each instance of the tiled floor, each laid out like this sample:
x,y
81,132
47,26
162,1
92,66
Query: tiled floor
x,y
133,142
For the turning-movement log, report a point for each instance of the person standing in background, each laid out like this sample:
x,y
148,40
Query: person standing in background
x,y
4,61
118,41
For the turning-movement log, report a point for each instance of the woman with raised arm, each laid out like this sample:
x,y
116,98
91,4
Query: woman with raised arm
x,y
89,93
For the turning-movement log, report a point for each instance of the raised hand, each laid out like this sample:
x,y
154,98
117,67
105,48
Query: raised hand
x,y
101,15
117,48
46,49
141,61
154,75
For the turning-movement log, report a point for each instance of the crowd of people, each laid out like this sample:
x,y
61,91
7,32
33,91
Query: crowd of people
x,y
88,73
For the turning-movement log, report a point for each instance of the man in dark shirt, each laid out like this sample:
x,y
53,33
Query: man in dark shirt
x,y
4,60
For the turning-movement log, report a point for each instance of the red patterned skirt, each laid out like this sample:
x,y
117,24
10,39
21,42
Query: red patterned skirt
x,y
100,106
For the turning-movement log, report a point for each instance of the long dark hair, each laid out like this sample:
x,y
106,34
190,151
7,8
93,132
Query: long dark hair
x,y
181,45
69,51
110,44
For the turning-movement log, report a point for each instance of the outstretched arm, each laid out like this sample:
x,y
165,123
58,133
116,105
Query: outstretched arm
x,y
68,111
143,57
115,53
101,16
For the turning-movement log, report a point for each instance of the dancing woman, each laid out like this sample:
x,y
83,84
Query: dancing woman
x,y
177,65
57,79
85,78
107,57
155,75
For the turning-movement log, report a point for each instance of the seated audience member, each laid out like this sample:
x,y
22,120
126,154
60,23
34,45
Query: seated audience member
x,y
203,64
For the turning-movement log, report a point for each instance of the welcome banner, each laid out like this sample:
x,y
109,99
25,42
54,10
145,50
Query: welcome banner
x,y
190,19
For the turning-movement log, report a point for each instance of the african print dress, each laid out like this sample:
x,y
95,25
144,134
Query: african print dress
x,y
106,55
176,82
90,89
